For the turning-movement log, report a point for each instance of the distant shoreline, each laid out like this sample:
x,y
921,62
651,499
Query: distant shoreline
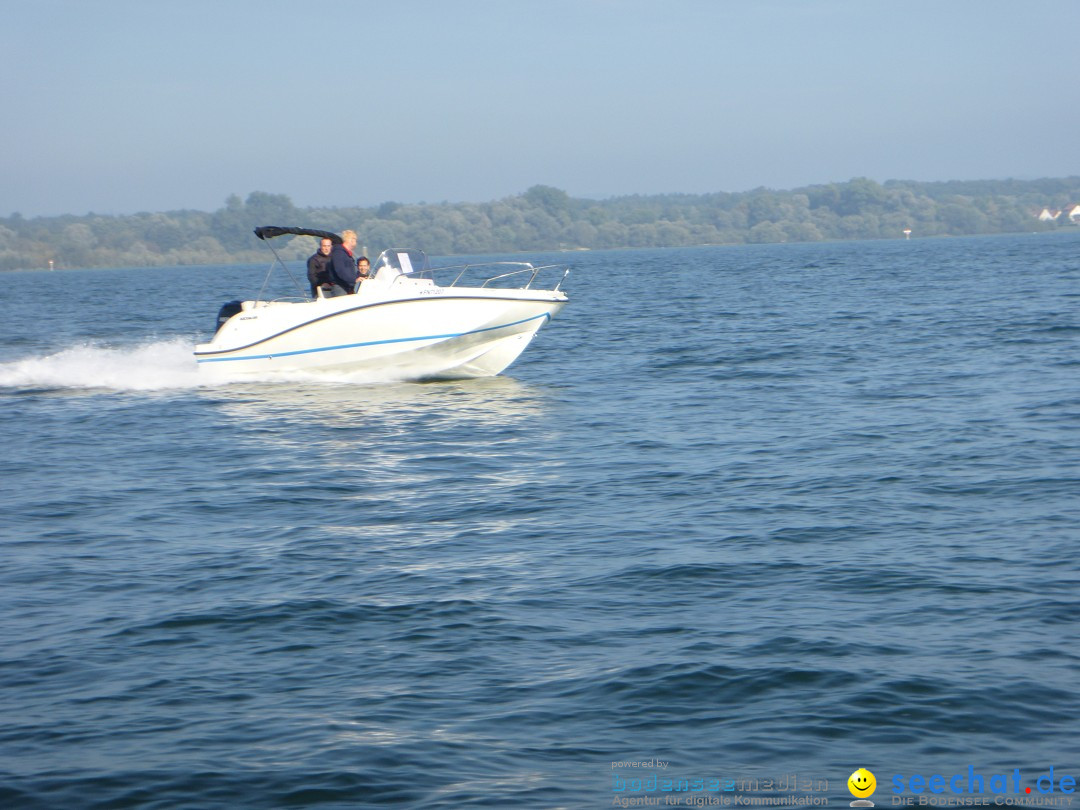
x,y
548,219
263,262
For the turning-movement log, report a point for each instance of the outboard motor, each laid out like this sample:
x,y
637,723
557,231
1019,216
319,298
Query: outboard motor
x,y
226,312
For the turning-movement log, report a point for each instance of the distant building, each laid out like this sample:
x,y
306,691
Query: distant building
x,y
1073,213
1049,216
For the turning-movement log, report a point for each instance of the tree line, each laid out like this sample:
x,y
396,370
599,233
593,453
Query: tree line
x,y
544,218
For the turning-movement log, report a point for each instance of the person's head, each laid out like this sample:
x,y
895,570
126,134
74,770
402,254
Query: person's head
x,y
324,247
348,238
363,266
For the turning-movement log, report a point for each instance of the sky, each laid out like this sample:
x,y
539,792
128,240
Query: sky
x,y
122,106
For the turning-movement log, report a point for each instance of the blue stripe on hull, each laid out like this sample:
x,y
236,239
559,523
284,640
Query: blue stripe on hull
x,y
546,315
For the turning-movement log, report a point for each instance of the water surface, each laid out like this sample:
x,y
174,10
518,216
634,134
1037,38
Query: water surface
x,y
751,511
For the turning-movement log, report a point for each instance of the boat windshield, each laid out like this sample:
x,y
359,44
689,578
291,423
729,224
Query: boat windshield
x,y
408,261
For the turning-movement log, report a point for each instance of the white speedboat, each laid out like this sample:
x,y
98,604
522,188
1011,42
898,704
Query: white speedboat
x,y
408,320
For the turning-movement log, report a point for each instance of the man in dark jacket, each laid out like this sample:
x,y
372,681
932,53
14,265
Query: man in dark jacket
x,y
318,269
343,265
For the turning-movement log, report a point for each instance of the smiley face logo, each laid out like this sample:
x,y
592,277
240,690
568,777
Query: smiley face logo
x,y
861,783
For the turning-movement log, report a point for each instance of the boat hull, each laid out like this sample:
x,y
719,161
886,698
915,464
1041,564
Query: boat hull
x,y
440,336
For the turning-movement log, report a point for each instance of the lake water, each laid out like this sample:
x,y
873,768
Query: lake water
x,y
762,513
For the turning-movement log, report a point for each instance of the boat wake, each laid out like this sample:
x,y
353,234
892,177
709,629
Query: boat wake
x,y
146,367
155,366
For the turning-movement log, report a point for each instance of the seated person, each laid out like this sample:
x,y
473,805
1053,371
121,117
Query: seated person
x,y
363,269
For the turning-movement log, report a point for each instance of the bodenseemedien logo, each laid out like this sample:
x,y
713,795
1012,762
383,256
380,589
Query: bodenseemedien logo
x,y
862,785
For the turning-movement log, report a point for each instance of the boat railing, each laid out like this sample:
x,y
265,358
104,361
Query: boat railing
x,y
486,274
288,299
